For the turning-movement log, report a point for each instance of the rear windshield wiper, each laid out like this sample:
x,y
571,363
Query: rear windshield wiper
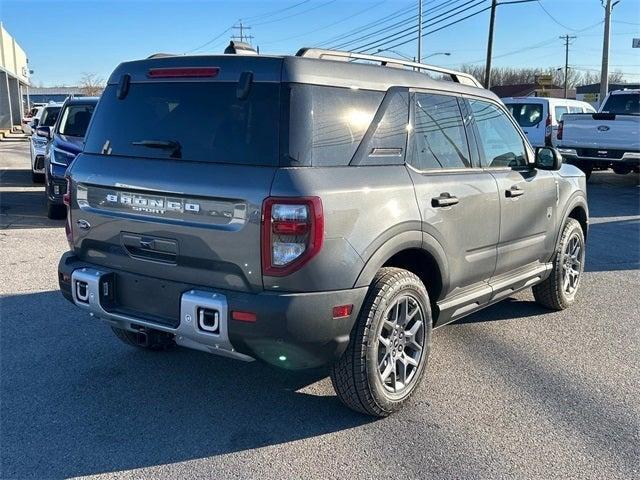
x,y
176,149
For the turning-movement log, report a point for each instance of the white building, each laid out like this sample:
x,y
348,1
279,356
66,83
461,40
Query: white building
x,y
14,80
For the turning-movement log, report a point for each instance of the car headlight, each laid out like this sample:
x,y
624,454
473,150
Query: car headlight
x,y
60,157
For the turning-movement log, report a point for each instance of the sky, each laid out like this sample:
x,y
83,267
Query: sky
x,y
66,38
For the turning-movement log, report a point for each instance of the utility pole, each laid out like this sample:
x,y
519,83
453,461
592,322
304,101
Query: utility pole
x,y
487,73
242,37
566,39
419,31
604,72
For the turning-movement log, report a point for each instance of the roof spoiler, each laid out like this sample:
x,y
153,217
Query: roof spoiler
x,y
319,53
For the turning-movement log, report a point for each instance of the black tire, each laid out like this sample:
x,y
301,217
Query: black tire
x,y
151,340
355,376
56,212
622,170
37,177
587,168
552,292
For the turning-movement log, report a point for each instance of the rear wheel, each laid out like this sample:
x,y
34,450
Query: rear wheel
x,y
146,339
37,177
622,170
559,290
587,168
389,346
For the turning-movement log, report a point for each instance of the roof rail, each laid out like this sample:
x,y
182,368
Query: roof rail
x,y
320,53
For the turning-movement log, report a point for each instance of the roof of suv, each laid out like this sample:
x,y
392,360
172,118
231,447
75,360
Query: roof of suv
x,y
82,101
300,69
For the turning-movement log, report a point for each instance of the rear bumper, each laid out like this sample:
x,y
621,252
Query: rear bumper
x,y
294,331
571,155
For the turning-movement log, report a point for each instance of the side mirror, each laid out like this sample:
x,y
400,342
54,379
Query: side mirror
x,y
548,158
44,132
34,122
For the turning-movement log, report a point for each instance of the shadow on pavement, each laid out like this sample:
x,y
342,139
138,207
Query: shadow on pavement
x,y
75,401
613,195
17,178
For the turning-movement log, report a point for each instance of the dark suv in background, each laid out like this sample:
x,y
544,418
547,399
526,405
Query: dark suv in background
x,y
313,210
66,141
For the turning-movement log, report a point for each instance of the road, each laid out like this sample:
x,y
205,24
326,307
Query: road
x,y
512,392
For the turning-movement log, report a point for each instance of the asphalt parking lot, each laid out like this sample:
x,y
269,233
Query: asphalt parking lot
x,y
514,391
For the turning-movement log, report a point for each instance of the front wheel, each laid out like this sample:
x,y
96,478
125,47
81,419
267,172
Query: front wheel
x,y
56,212
389,346
559,290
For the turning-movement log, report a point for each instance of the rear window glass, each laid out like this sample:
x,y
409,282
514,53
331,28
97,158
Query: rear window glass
x,y
195,121
559,112
49,116
526,114
75,120
623,104
327,123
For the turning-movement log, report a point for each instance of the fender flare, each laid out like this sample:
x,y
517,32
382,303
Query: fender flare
x,y
577,199
411,239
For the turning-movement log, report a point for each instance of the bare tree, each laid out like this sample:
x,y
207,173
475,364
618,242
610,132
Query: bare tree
x,y
91,84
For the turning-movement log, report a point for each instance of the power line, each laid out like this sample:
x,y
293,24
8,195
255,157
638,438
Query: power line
x,y
553,18
294,14
208,42
414,29
260,16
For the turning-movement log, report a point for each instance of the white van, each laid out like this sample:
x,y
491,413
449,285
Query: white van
x,y
539,116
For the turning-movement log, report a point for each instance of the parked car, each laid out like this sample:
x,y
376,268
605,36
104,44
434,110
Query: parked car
x,y
539,116
66,139
38,143
320,211
607,139
30,121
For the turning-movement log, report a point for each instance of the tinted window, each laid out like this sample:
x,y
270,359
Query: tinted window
x,y
560,111
499,140
197,121
526,114
75,120
327,123
439,136
49,116
387,143
623,104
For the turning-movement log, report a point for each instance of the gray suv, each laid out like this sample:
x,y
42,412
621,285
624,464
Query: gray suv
x,y
322,209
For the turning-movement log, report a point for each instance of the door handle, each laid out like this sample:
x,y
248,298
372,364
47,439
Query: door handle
x,y
444,200
514,192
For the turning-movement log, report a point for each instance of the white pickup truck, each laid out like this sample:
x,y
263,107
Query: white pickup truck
x,y
609,138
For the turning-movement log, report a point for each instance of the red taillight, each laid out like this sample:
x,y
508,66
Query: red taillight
x,y
66,199
244,316
547,131
342,311
195,72
292,233
560,129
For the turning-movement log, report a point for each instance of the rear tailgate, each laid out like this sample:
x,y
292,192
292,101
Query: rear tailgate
x,y
601,130
194,223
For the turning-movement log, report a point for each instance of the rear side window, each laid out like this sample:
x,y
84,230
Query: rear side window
x,y
576,110
192,121
327,124
75,120
499,141
526,114
623,104
438,133
560,111
49,116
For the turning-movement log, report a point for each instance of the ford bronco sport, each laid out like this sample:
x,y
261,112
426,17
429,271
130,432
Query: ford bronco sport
x,y
326,208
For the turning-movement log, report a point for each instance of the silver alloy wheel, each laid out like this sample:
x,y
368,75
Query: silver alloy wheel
x,y
400,344
572,258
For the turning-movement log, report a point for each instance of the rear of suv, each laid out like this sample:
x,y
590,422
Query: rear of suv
x,y
312,210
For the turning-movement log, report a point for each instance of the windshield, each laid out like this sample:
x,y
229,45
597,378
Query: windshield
x,y
75,120
193,121
623,104
49,116
526,114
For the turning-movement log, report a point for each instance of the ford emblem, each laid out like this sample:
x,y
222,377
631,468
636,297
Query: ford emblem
x,y
603,128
